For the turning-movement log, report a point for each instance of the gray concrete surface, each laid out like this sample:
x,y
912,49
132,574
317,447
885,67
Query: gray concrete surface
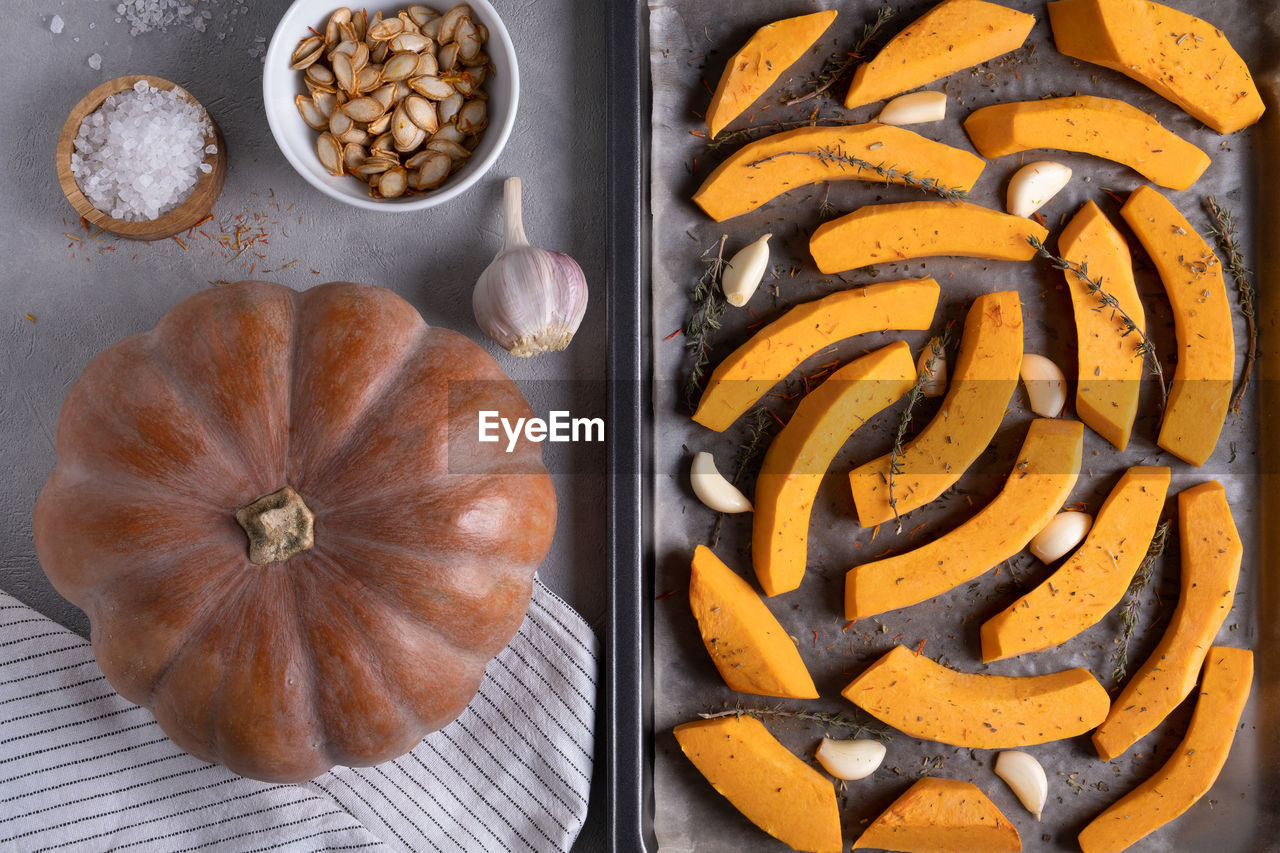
x,y
86,294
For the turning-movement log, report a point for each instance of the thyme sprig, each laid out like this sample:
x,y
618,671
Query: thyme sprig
x,y
760,427
1133,600
1145,349
709,304
828,155
830,720
937,350
756,131
839,66
1225,231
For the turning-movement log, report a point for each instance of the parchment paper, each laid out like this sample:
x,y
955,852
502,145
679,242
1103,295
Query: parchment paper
x,y
690,42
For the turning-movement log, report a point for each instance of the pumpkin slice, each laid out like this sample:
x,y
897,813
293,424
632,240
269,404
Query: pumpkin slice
x,y
1200,393
774,789
878,233
1092,580
760,62
767,168
802,451
983,380
752,651
779,348
1211,554
942,814
1176,55
924,699
1040,481
1195,765
950,37
1110,363
1103,127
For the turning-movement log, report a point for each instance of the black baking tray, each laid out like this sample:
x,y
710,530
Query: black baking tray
x,y
629,688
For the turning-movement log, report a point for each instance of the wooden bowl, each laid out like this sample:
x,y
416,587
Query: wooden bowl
x,y
194,208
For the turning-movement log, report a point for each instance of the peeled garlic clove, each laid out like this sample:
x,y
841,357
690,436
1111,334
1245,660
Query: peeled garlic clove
x,y
1026,777
1032,186
1064,531
1045,383
932,364
529,300
850,759
745,270
916,108
713,489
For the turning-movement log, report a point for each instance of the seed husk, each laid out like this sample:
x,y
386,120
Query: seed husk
x,y
468,39
385,30
340,122
380,124
379,52
400,66
344,73
422,113
330,153
433,171
360,24
353,155
307,52
372,166
354,135
427,65
450,106
464,82
450,132
453,150
360,58
412,42
421,14
347,48
320,75
326,103
416,161
435,88
450,20
447,56
368,78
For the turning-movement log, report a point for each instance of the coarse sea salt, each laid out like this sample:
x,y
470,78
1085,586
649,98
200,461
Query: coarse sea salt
x,y
55,24
139,155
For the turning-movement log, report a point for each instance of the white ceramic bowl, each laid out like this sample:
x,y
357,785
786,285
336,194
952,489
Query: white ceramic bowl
x,y
297,141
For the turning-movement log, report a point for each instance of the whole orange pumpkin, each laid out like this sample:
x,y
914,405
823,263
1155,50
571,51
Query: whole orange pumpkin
x,y
289,542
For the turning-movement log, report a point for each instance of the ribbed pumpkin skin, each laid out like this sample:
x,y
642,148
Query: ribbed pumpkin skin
x,y
426,541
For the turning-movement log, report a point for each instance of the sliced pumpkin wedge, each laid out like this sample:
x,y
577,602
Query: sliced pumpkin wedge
x,y
1092,580
1200,393
942,814
767,168
950,37
801,453
879,233
983,380
752,369
764,780
1109,360
923,699
1178,56
1087,124
1194,767
760,62
1040,481
1211,554
753,653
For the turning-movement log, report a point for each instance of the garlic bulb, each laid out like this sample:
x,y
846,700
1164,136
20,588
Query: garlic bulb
x,y
1034,185
1045,383
713,489
1065,531
915,108
850,759
529,300
744,272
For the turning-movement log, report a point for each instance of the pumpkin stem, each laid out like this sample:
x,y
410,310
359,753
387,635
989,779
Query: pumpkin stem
x,y
278,526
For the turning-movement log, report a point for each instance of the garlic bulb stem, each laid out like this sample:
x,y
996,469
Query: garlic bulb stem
x,y
529,300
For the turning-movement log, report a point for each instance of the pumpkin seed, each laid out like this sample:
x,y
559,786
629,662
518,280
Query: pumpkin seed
x,y
320,75
435,88
307,52
368,78
415,162
449,22
402,90
468,39
480,60
433,171
354,135
340,122
427,65
385,95
366,108
386,30
473,117
331,34
353,155
380,124
447,56
310,113
360,58
325,103
450,132
464,82
400,66
453,150
402,128
360,24
379,52
344,73
372,166
330,153
383,143
421,14
413,42
422,113
393,182
449,107
345,48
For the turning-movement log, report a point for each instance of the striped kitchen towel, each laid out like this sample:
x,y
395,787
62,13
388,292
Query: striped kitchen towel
x,y
82,769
